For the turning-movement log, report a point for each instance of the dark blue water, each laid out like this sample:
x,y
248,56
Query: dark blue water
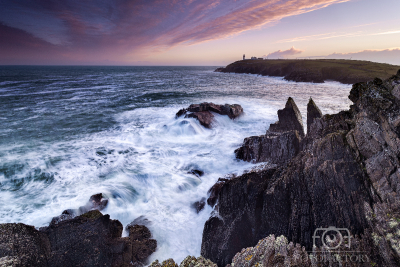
x,y
70,132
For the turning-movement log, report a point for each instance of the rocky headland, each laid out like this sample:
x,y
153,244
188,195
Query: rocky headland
x,y
316,70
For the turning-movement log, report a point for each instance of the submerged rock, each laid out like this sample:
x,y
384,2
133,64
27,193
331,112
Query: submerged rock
x,y
199,205
198,173
96,202
202,112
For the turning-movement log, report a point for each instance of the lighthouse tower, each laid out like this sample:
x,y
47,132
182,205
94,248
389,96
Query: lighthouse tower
x,y
244,56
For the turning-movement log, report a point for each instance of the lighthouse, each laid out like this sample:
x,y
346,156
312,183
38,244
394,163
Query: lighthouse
x,y
244,56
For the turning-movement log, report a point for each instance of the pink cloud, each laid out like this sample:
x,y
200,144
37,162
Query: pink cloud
x,y
123,27
284,54
391,56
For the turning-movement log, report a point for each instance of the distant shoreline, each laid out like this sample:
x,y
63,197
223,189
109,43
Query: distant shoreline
x,y
315,70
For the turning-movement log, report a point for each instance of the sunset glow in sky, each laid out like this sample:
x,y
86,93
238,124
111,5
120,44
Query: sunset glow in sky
x,y
196,32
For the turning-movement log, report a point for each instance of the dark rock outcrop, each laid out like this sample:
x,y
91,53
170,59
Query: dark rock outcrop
x,y
214,191
23,245
199,205
198,173
346,175
96,202
313,112
202,112
289,119
281,142
271,147
91,239
189,261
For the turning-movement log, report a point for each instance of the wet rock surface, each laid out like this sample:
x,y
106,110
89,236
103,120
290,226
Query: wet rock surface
x,y
199,205
189,261
313,112
202,112
96,202
91,239
346,175
281,142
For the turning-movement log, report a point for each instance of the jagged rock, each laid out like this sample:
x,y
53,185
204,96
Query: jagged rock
x,y
272,252
91,239
347,175
96,202
199,205
166,263
214,191
142,244
204,117
23,245
198,173
141,220
313,112
202,112
281,142
239,214
272,147
289,119
191,261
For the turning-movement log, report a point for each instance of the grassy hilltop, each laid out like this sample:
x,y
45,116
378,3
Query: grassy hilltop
x,y
315,70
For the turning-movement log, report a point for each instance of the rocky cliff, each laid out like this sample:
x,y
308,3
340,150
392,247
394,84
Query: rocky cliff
x,y
343,174
316,71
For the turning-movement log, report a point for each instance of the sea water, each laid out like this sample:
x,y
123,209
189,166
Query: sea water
x,y
69,132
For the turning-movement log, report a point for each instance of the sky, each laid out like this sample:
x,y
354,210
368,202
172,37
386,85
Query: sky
x,y
195,32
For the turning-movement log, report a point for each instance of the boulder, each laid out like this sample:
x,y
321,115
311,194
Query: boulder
x,y
313,112
289,119
91,239
142,244
272,252
166,263
203,112
189,261
96,202
197,173
204,117
141,220
199,205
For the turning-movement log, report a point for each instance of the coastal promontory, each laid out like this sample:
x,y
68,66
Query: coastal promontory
x,y
314,70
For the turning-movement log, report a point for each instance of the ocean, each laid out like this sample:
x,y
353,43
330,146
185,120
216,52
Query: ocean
x,y
68,132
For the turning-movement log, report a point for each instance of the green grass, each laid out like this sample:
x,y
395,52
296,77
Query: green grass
x,y
349,71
